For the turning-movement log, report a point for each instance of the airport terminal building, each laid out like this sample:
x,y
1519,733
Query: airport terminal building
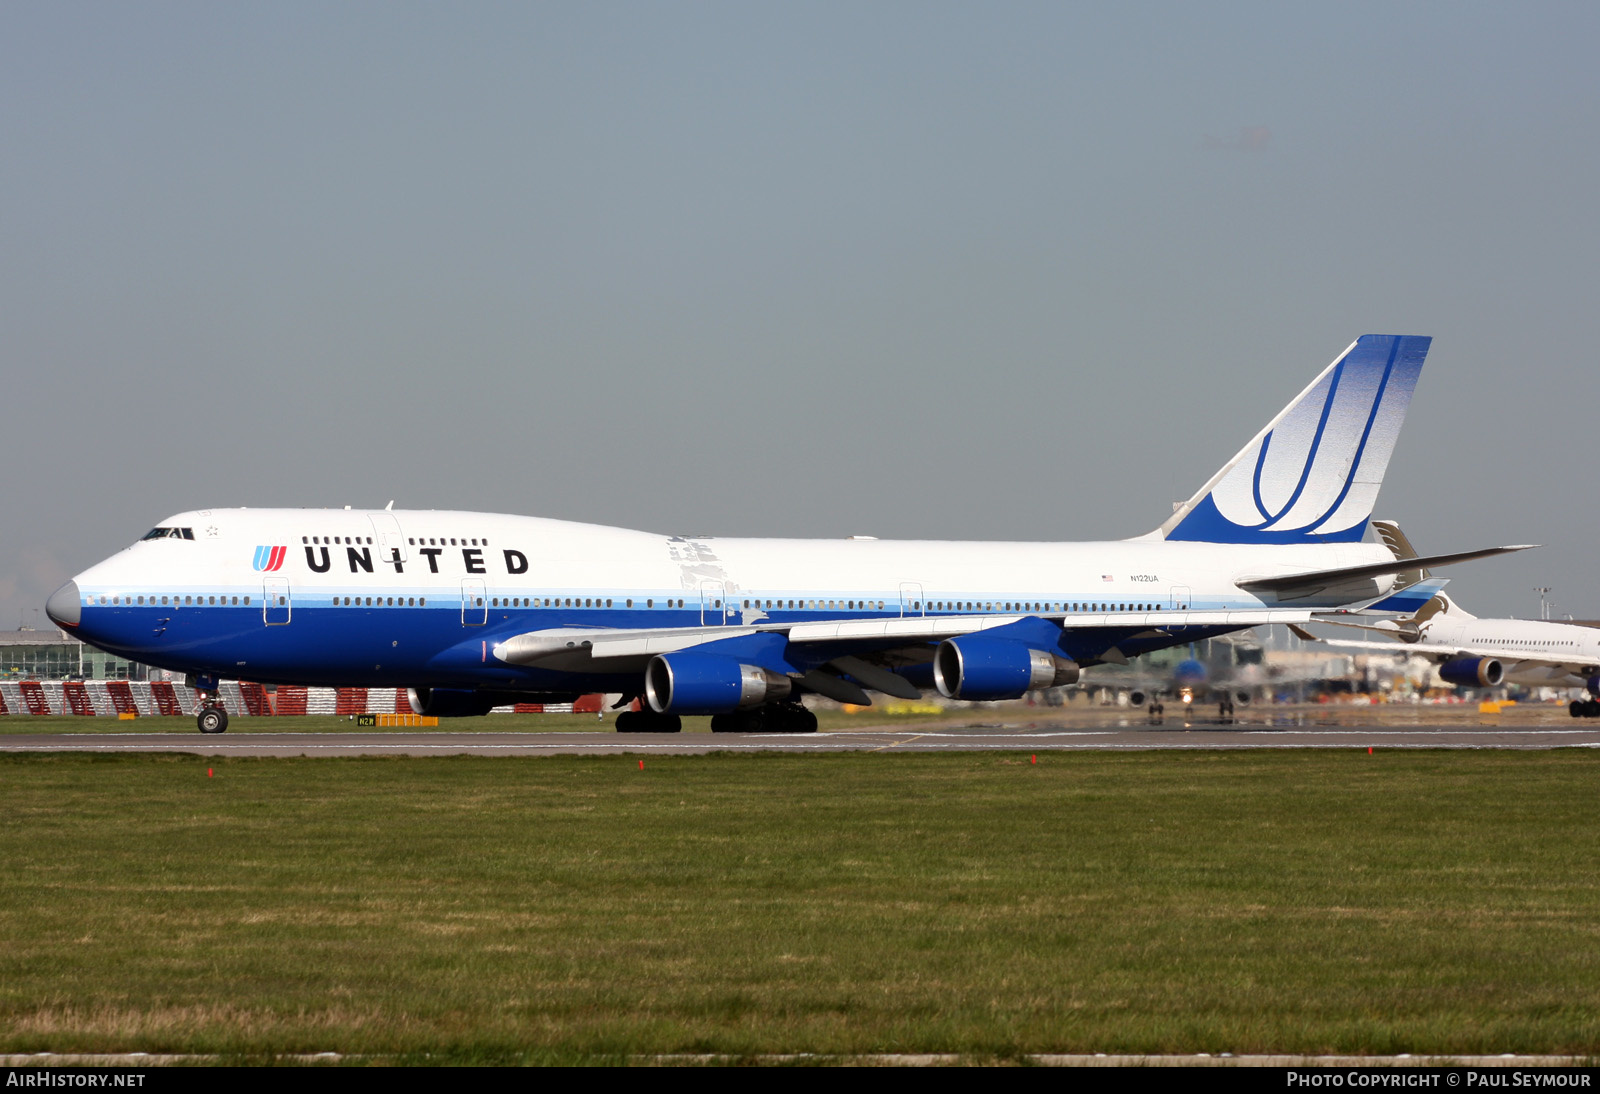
x,y
55,655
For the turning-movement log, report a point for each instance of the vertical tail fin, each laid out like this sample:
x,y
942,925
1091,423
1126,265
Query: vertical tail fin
x,y
1312,475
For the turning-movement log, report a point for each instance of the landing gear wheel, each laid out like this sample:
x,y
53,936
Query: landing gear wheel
x,y
648,721
790,718
1575,708
212,720
738,721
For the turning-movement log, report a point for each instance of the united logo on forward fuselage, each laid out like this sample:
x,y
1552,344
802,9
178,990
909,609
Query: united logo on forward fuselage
x,y
269,558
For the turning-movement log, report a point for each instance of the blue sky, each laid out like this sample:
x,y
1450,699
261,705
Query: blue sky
x,y
955,271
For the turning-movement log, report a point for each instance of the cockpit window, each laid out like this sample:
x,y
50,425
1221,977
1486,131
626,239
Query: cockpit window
x,y
169,533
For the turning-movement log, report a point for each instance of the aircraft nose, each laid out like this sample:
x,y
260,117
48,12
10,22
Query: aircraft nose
x,y
65,606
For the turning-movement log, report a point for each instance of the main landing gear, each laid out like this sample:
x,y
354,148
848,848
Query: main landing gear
x,y
1584,708
1225,708
772,718
213,718
648,721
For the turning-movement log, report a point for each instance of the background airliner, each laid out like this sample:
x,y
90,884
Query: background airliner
x,y
473,610
1473,652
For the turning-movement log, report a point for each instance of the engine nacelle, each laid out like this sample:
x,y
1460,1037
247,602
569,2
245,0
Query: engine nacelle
x,y
450,702
977,669
1593,686
698,683
1472,672
1137,698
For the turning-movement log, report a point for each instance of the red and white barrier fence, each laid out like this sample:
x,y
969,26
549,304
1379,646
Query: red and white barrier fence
x,y
154,698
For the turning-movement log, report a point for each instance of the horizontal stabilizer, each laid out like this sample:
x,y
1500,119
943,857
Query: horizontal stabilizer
x,y
1288,586
1408,600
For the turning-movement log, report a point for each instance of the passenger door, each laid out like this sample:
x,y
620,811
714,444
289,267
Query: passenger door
x,y
276,606
713,604
391,544
474,602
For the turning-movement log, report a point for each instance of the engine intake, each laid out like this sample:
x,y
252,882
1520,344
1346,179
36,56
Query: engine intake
x,y
696,683
978,669
1472,672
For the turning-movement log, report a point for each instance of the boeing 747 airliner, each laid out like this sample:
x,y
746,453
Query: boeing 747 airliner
x,y
474,610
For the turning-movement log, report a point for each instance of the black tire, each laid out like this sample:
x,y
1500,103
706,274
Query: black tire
x,y
742,721
1575,708
212,720
642,721
795,719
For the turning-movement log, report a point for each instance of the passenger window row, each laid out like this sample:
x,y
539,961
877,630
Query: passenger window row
x,y
381,602
197,601
439,541
607,602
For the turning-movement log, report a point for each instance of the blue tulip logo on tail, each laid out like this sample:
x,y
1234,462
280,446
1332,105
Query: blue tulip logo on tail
x,y
269,558
1312,475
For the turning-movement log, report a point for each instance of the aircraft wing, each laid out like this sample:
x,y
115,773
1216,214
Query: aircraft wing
x,y
604,643
1437,651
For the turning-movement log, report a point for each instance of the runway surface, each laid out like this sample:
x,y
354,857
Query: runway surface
x,y
999,731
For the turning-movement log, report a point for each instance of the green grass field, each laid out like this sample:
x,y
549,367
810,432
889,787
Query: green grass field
x,y
582,908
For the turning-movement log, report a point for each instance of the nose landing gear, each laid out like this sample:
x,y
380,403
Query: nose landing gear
x,y
213,718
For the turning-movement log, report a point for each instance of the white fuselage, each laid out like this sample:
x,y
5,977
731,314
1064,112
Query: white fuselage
x,y
1532,651
377,597
345,553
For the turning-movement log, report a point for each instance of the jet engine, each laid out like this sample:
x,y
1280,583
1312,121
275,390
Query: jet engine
x,y
977,668
1593,685
697,683
1472,672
